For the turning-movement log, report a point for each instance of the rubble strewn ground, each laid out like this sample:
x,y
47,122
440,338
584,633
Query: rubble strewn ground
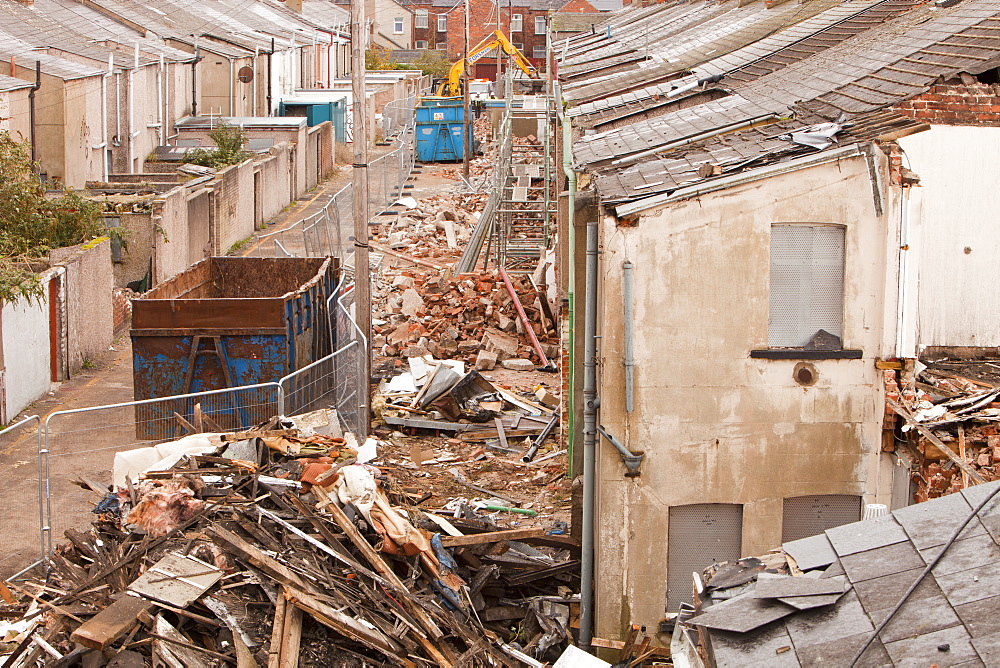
x,y
443,540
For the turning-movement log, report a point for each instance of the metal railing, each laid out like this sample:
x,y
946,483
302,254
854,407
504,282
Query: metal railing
x,y
22,467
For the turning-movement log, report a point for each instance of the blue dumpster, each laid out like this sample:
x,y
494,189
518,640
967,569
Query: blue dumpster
x,y
439,123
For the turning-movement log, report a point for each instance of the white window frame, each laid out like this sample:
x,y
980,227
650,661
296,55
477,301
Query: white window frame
x,y
398,25
518,45
420,19
806,283
441,46
420,44
516,23
539,25
442,23
535,50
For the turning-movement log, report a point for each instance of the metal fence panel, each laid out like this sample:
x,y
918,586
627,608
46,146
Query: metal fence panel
x,y
87,439
21,475
332,382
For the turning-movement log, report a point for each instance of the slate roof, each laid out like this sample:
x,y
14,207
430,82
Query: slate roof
x,y
950,619
11,83
857,59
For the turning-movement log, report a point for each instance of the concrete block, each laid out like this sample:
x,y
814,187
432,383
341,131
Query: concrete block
x,y
518,364
486,361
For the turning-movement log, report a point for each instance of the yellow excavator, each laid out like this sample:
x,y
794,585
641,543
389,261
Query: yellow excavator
x,y
452,86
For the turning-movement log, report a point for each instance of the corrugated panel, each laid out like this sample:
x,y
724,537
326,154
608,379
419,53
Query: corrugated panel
x,y
806,516
807,283
697,536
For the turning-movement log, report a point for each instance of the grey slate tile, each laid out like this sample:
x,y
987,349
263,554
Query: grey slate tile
x,y
990,514
887,560
923,650
988,648
787,585
742,614
840,652
982,617
970,585
884,593
964,554
845,619
858,537
930,525
916,617
770,647
812,552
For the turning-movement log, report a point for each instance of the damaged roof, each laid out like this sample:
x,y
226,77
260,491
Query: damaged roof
x,y
853,61
855,575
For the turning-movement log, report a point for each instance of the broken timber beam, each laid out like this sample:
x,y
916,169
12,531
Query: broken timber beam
x,y
491,537
929,435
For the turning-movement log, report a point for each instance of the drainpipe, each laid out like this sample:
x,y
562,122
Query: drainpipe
x,y
194,80
161,96
31,114
131,107
256,55
103,146
629,359
232,89
904,274
270,83
590,404
567,130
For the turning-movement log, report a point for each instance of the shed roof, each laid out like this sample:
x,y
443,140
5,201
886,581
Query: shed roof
x,y
11,83
949,619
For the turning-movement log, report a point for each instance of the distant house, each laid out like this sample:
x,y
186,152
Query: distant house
x,y
791,200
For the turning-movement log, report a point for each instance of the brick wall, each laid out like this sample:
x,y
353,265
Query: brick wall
x,y
956,103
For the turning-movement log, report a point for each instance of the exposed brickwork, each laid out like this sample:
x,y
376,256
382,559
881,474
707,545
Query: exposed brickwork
x,y
956,103
121,302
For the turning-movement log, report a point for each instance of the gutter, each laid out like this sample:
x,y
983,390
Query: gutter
x,y
811,160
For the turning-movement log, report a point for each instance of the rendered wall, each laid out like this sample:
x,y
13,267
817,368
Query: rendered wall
x,y
26,352
716,425
956,241
14,113
171,235
88,305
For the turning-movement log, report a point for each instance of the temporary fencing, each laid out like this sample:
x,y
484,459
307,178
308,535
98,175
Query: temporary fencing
x,y
331,382
327,231
22,481
87,439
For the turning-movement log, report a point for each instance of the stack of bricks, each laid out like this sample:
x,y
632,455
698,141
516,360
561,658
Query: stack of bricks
x,y
956,103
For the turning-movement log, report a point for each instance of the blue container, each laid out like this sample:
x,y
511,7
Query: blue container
x,y
227,322
439,123
316,112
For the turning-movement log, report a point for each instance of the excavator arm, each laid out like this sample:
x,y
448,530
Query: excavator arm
x,y
452,86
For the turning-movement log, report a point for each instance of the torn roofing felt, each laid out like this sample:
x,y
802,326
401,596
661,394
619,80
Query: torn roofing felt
x,y
861,77
864,569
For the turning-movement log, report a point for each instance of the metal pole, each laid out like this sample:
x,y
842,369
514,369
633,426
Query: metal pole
x,y
467,120
362,277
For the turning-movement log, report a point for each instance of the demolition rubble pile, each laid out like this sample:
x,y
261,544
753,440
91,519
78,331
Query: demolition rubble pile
x,y
953,423
289,544
432,228
472,317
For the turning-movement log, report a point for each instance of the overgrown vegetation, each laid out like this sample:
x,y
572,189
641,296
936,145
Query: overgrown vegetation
x,y
230,142
434,63
380,58
33,223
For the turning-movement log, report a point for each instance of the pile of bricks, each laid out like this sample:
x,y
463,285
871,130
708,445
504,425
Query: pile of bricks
x,y
436,228
470,317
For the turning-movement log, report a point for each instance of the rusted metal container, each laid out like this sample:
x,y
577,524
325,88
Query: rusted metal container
x,y
228,322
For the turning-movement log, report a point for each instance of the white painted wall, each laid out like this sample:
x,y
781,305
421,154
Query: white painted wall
x,y
26,351
958,168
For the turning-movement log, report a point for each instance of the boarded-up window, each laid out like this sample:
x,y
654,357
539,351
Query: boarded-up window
x,y
806,516
699,535
807,283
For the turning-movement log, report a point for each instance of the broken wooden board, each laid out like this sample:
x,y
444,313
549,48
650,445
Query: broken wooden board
x,y
491,537
176,579
111,623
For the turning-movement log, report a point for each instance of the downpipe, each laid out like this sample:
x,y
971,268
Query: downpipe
x,y
590,404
